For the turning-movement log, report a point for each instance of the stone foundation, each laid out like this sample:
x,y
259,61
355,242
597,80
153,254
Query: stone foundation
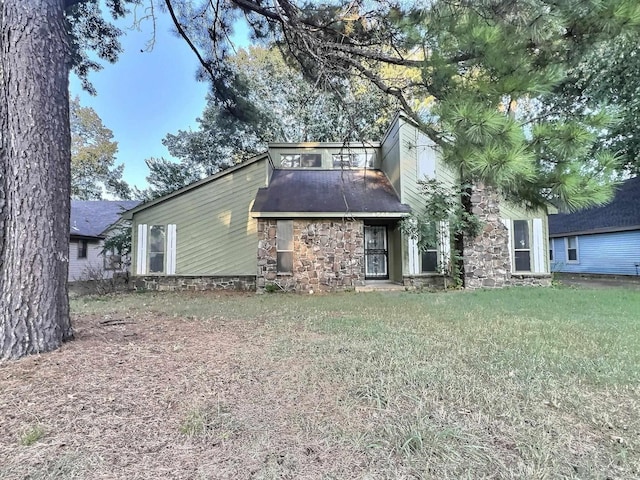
x,y
194,283
425,281
328,255
531,279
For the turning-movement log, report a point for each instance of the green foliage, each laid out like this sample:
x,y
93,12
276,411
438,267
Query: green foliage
x,y
490,82
609,79
272,288
93,169
91,35
211,422
276,104
118,240
443,215
32,435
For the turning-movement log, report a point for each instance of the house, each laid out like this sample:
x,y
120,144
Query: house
x,y
325,217
90,222
599,240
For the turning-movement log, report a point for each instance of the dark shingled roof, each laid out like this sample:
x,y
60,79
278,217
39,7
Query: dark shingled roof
x,y
335,191
90,218
623,213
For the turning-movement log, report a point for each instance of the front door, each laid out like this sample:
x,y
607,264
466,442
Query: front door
x,y
375,252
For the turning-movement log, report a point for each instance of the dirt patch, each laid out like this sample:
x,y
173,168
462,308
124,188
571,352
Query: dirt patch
x,y
146,396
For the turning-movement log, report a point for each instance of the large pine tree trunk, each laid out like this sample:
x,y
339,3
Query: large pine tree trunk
x,y
35,183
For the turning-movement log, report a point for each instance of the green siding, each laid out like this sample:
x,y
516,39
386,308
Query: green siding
x,y
390,163
216,234
515,212
395,253
402,166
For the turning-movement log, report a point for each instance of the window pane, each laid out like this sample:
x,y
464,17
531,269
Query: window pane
x,y
284,235
291,160
285,262
156,262
375,237
82,249
521,234
376,265
523,261
310,160
341,161
572,254
430,261
573,242
156,238
362,160
353,160
156,248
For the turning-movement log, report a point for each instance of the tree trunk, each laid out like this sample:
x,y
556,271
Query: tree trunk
x,y
35,183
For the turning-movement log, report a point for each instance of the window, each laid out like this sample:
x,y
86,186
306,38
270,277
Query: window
x,y
353,160
430,239
301,160
551,249
82,248
284,246
156,248
572,249
429,262
521,246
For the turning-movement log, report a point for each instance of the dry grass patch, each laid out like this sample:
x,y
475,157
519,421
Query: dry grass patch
x,y
521,383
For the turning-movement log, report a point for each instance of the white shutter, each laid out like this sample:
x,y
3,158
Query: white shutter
x,y
538,246
507,223
141,251
414,257
445,245
171,249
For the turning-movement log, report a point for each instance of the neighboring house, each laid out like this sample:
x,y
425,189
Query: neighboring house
x,y
90,223
325,216
599,240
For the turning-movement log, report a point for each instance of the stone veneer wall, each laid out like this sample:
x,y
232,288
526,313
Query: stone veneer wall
x,y
328,255
194,283
425,281
487,261
486,257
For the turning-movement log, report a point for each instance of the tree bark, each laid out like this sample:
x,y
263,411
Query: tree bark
x,y
35,184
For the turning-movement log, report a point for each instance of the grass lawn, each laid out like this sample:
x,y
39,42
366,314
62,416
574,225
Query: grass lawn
x,y
518,383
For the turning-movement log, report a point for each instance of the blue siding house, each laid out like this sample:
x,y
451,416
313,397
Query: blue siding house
x,y
600,240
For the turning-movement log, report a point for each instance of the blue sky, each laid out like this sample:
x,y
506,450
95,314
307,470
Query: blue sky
x,y
146,95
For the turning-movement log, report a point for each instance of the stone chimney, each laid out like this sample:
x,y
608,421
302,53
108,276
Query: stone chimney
x,y
486,257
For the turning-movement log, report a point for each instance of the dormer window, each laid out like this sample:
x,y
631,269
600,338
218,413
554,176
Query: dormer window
x,y
353,160
301,160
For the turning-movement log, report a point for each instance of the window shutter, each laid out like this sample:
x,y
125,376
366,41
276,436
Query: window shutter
x,y
171,249
445,245
141,251
507,223
414,257
538,246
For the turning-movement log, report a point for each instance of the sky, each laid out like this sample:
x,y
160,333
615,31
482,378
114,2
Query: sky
x,y
145,95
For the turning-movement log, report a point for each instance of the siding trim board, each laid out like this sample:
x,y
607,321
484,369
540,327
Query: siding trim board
x,y
596,231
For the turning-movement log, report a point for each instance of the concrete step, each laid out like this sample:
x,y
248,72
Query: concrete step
x,y
380,286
